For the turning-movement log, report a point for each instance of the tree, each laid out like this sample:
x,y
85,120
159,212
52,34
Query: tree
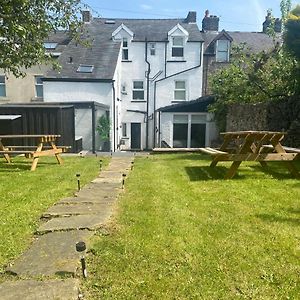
x,y
25,24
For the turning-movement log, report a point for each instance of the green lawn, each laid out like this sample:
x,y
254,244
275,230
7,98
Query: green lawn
x,y
25,195
182,232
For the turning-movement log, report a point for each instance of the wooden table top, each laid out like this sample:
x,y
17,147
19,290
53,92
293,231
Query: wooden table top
x,y
12,136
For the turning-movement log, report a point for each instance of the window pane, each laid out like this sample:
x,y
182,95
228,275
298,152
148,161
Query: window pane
x,y
85,69
177,52
222,45
50,45
124,129
180,132
2,90
2,79
179,95
177,41
138,85
222,56
39,91
179,84
198,119
180,119
125,54
138,95
198,135
125,43
38,80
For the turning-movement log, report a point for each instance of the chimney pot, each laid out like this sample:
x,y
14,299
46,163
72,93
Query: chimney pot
x,y
86,16
191,17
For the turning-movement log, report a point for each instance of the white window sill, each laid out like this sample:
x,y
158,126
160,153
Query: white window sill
x,y
4,98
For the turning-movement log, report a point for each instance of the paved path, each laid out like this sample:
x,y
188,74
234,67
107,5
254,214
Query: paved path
x,y
53,251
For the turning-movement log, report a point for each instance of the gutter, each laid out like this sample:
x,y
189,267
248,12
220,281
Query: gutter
x,y
147,97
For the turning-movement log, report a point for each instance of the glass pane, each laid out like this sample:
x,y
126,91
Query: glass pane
x,y
125,43
177,41
50,45
39,91
180,132
2,90
125,54
180,85
2,79
179,95
180,119
198,119
222,45
177,52
85,68
38,80
138,85
222,56
198,135
138,95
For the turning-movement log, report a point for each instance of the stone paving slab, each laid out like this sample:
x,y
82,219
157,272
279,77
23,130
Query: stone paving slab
x,y
91,222
108,180
75,209
90,198
51,254
67,289
110,174
101,187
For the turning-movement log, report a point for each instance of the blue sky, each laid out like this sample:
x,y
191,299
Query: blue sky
x,y
235,15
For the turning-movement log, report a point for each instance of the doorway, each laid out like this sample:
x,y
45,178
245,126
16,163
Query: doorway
x,y
136,136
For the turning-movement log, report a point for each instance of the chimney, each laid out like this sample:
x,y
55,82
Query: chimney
x,y
278,25
191,17
210,23
267,22
86,16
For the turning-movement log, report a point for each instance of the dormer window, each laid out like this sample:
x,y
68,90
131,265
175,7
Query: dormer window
x,y
222,50
125,49
177,46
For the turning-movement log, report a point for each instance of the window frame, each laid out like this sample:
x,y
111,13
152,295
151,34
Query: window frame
x,y
218,51
177,47
134,89
38,85
3,85
125,51
176,89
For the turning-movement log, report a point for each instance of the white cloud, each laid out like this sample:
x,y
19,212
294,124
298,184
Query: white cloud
x,y
146,6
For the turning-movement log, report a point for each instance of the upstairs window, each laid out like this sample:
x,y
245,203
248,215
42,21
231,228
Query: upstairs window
x,y
125,49
138,90
180,91
177,46
152,49
2,86
222,50
38,86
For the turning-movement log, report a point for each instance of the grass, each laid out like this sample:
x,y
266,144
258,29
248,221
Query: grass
x,y
25,195
182,232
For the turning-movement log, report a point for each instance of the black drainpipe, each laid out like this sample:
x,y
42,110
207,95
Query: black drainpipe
x,y
147,76
114,116
94,127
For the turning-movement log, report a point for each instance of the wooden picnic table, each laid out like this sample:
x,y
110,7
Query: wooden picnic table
x,y
261,146
36,151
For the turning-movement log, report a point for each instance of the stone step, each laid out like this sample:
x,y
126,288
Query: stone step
x,y
90,222
89,198
67,289
51,254
73,209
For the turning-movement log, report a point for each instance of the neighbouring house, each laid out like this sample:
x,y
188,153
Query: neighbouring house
x,y
217,45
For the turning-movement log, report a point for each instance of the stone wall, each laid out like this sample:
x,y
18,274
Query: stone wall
x,y
273,116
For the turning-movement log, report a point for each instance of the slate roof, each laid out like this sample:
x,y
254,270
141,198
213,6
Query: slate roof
x,y
256,41
62,37
104,52
199,105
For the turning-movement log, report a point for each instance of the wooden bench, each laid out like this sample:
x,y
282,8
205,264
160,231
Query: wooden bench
x,y
287,149
212,151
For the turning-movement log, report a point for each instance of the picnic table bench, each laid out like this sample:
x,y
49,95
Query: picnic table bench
x,y
261,146
36,151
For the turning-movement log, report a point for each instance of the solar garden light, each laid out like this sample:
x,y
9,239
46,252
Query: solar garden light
x,y
132,163
78,181
100,165
81,249
123,181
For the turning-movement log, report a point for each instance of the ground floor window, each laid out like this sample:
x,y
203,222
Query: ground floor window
x,y
189,131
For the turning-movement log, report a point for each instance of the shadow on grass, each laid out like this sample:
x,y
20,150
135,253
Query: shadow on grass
x,y
272,218
274,171
22,166
205,173
184,156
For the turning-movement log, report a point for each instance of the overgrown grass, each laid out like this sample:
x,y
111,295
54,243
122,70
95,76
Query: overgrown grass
x,y
25,195
182,232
